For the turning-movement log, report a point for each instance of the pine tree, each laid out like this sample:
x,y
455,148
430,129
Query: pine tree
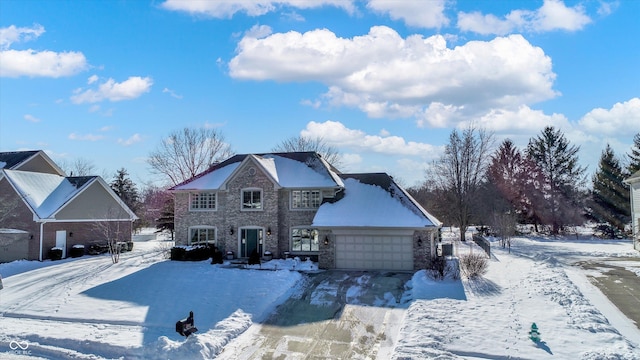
x,y
166,220
610,196
126,190
634,156
556,161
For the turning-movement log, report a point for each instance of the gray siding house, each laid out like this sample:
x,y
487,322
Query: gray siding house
x,y
634,184
296,204
41,208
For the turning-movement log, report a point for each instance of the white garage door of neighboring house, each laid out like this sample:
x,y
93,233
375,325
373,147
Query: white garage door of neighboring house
x,y
374,250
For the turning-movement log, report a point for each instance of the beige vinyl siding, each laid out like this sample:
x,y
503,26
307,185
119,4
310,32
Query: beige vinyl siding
x,y
85,206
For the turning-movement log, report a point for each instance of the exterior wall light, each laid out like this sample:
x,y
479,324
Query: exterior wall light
x,y
231,230
326,240
269,231
419,241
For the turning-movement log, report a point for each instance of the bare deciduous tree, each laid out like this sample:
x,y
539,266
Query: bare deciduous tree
x,y
460,171
302,143
78,167
188,152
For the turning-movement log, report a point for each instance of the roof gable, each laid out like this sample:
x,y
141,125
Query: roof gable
x,y
46,193
289,170
33,160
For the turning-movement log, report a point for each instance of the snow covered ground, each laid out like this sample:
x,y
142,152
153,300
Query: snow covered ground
x,y
89,308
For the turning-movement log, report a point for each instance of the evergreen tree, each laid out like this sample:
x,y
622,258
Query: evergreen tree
x,y
610,196
125,188
556,163
634,156
506,174
166,220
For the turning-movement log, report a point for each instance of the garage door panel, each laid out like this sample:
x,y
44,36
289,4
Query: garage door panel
x,y
373,251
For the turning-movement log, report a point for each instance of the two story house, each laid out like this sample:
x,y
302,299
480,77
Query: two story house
x,y
41,208
296,204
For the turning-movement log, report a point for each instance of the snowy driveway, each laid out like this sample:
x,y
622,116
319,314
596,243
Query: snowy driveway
x,y
338,315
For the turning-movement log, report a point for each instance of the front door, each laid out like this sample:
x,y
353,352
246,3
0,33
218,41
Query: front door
x,y
61,242
250,240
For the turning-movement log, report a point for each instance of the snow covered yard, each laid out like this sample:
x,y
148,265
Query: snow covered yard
x,y
88,308
91,308
536,283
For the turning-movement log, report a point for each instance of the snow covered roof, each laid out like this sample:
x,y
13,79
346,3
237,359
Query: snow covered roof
x,y
288,170
45,193
367,204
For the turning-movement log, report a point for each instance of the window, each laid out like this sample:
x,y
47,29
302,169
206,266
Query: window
x,y
305,199
252,199
203,201
304,239
202,235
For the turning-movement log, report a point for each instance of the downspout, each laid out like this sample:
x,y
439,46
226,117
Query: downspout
x,y
41,239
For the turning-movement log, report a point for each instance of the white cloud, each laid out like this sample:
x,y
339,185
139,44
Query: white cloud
x,y
172,93
31,118
621,119
422,14
110,90
16,63
524,120
552,15
135,138
85,137
226,9
339,135
385,75
13,34
92,79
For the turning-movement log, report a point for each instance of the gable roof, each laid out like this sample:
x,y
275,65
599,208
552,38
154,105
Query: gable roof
x,y
16,160
288,170
45,194
374,200
11,159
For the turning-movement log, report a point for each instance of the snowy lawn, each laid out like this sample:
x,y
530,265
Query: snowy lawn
x,y
89,308
536,283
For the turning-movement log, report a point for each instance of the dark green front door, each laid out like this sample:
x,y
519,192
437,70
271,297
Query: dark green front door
x,y
250,240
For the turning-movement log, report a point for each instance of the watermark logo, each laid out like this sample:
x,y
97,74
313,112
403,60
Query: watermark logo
x,y
20,347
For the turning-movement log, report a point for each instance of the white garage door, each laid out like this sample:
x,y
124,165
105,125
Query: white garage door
x,y
374,251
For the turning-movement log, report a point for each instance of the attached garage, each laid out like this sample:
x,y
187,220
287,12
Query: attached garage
x,y
388,250
14,245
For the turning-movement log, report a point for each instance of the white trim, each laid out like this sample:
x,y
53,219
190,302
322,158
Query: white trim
x,y
215,233
310,190
251,189
191,193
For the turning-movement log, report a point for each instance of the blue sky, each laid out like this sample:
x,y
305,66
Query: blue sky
x,y
385,82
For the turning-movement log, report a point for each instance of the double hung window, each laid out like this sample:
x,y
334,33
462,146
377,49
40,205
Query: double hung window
x,y
252,199
304,239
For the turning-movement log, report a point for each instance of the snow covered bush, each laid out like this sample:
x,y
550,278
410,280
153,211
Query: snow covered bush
x,y
440,268
474,265
190,253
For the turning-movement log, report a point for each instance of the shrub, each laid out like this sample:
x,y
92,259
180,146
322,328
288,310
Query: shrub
x,y
474,265
55,254
190,253
439,269
217,257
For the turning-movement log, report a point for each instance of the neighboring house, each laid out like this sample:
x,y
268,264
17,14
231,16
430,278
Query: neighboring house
x,y
41,210
634,184
35,160
296,204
